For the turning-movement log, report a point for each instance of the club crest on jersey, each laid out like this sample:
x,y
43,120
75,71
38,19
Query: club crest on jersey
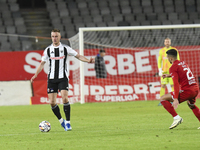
x,y
57,58
50,90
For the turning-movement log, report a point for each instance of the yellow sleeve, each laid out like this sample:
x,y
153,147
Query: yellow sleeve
x,y
160,59
178,57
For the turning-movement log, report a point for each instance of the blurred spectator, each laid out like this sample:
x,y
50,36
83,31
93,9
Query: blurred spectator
x,y
100,67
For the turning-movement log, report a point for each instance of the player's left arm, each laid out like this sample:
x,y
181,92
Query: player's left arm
x,y
72,52
84,59
175,78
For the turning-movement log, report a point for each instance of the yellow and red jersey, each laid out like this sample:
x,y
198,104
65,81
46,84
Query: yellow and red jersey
x,y
163,61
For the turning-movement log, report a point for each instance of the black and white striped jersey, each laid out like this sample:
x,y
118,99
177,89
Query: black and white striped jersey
x,y
57,59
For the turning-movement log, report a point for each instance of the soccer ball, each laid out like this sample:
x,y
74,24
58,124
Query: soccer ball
x,y
44,126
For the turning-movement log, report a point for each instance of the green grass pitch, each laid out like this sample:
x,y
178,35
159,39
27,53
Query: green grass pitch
x,y
139,125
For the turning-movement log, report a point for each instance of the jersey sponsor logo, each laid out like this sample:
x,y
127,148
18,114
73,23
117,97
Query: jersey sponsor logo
x,y
52,52
57,58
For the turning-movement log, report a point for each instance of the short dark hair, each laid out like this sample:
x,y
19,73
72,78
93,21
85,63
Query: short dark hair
x,y
55,30
102,51
172,52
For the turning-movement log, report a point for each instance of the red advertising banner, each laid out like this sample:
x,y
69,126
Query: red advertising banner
x,y
133,90
126,90
20,65
131,73
119,63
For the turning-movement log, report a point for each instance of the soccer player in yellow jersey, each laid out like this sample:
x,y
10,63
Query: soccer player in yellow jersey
x,y
164,65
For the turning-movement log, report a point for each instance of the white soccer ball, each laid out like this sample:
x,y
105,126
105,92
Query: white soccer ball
x,y
45,126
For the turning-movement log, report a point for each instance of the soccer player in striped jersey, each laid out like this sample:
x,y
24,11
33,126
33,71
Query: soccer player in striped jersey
x,y
185,88
56,55
164,65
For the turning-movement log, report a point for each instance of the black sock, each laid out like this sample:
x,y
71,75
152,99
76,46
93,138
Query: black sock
x,y
56,111
66,108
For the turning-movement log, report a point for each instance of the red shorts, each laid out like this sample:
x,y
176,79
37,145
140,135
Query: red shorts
x,y
188,94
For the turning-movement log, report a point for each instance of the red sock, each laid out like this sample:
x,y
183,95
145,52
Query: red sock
x,y
168,106
196,112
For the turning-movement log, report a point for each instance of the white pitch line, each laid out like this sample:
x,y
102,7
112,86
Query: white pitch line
x,y
18,134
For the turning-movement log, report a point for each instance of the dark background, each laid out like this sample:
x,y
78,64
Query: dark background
x,y
31,4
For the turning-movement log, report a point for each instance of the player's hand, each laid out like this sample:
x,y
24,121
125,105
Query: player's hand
x,y
92,60
175,103
33,78
160,72
164,76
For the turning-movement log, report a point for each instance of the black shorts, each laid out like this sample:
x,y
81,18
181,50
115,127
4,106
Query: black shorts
x,y
57,84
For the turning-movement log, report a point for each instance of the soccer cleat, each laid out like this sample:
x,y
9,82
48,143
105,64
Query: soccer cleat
x,y
176,122
68,127
198,128
63,125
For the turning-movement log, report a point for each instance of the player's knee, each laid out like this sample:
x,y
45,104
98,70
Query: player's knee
x,y
65,99
52,104
190,105
162,98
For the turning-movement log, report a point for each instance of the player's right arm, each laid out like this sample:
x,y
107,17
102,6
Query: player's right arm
x,y
41,66
39,69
